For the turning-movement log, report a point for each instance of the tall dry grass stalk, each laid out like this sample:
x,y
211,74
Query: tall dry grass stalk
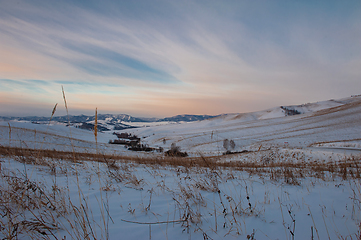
x,y
67,113
66,105
9,134
53,112
96,126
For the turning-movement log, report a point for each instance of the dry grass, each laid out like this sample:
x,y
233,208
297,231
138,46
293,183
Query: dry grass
x,y
196,176
287,170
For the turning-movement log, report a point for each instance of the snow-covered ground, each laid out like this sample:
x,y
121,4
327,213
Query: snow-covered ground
x,y
124,200
129,201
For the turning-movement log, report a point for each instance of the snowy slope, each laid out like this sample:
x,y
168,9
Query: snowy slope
x,y
334,121
328,121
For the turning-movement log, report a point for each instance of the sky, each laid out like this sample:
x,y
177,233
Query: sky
x,y
160,58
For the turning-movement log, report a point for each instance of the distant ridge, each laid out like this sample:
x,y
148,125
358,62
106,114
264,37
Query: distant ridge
x,y
112,118
107,122
186,118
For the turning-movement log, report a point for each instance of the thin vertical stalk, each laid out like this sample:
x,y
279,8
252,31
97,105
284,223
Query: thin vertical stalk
x,y
96,127
67,113
9,134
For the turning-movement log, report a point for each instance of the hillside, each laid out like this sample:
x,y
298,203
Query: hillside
x,y
328,123
336,121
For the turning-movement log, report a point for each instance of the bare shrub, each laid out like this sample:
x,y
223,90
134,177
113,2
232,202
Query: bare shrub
x,y
175,151
226,144
232,144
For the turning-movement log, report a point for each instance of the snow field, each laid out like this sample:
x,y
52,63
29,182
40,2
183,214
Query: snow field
x,y
93,200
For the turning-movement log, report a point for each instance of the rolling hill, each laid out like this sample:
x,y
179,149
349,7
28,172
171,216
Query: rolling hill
x,y
323,124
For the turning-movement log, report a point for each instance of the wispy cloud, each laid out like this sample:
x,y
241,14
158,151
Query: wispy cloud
x,y
34,86
258,53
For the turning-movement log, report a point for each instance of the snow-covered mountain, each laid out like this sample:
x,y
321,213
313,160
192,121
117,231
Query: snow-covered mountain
x,y
108,122
186,118
112,118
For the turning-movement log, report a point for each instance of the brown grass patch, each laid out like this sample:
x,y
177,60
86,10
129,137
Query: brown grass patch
x,y
289,170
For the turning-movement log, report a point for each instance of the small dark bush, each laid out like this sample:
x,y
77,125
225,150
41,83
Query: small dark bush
x,y
175,151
